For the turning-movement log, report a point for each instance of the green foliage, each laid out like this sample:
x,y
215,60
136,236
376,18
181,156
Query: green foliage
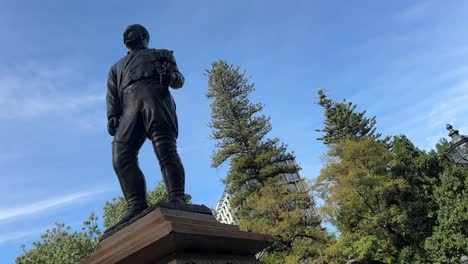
x,y
279,210
396,203
342,121
380,199
256,164
421,170
355,184
115,209
62,246
449,241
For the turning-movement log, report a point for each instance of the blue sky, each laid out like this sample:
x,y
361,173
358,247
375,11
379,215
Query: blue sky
x,y
406,62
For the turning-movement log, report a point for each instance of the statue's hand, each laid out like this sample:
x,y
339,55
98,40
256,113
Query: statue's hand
x,y
112,125
167,79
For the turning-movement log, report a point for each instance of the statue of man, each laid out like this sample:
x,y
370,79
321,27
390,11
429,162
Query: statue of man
x,y
140,106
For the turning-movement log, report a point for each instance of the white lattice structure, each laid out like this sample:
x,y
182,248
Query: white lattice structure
x,y
226,214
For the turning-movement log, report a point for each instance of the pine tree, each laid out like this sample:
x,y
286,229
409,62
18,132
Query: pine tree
x,y
239,131
256,165
342,121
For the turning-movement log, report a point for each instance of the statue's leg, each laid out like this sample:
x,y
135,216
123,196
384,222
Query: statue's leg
x,y
171,166
128,140
160,120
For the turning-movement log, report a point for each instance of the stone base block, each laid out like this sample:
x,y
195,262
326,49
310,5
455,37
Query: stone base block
x,y
172,236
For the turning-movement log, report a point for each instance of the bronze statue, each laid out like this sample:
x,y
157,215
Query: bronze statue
x,y
140,106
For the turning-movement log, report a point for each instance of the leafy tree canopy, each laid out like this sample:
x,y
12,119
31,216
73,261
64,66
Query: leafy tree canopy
x,y
449,241
380,199
61,245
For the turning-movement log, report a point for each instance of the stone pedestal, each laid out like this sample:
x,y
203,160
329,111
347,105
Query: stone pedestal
x,y
169,236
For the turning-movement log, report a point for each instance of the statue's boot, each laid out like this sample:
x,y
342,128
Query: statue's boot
x,y
171,168
131,212
177,199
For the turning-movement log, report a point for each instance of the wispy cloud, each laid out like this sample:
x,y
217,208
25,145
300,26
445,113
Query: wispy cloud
x,y
421,9
30,232
11,156
449,106
6,237
432,112
456,72
43,105
34,90
426,120
41,206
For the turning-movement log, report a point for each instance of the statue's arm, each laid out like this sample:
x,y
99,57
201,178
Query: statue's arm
x,y
178,78
114,108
